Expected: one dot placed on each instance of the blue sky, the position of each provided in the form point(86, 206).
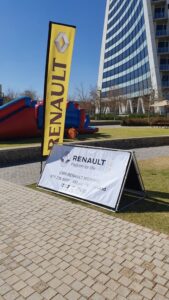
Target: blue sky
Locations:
point(23, 41)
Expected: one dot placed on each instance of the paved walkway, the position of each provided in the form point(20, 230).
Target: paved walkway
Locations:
point(54, 249)
point(26, 174)
point(151, 152)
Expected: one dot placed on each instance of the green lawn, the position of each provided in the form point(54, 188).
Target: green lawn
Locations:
point(104, 133)
point(125, 132)
point(152, 212)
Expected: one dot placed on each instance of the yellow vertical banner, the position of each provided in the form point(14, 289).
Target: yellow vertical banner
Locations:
point(58, 65)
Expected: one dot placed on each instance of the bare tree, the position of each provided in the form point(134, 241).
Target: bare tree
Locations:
point(93, 93)
point(82, 94)
point(89, 107)
point(94, 99)
point(115, 100)
point(11, 94)
point(30, 93)
point(111, 102)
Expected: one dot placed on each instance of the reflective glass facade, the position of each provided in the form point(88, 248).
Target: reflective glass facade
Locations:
point(126, 67)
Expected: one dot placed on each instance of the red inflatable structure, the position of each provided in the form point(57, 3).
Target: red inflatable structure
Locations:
point(18, 119)
point(23, 118)
point(77, 119)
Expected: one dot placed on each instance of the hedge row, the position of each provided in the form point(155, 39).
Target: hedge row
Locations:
point(146, 122)
point(135, 122)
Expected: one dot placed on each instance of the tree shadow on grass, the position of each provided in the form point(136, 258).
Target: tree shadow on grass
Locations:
point(151, 203)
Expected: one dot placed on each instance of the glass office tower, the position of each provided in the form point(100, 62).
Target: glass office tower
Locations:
point(134, 62)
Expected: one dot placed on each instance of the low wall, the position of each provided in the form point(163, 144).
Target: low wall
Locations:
point(130, 143)
point(33, 153)
point(20, 155)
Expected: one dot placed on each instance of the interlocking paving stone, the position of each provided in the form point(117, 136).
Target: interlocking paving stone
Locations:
point(54, 249)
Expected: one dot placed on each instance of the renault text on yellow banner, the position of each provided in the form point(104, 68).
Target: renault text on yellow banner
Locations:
point(59, 57)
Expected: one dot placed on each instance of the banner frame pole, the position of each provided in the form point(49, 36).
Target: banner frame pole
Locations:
point(138, 172)
point(141, 194)
point(123, 183)
point(45, 85)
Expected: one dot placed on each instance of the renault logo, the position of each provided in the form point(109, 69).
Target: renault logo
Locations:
point(66, 158)
point(62, 42)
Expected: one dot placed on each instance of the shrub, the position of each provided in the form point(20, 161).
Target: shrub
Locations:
point(151, 121)
point(135, 122)
point(136, 116)
point(162, 121)
point(109, 116)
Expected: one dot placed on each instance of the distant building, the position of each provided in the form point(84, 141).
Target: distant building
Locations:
point(134, 62)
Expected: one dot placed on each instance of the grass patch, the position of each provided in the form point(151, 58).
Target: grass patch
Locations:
point(152, 212)
point(104, 133)
point(125, 132)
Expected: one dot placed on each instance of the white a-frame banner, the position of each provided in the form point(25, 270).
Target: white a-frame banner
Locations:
point(97, 175)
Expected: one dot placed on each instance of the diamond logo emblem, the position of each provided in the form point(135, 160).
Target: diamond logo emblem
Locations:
point(62, 42)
